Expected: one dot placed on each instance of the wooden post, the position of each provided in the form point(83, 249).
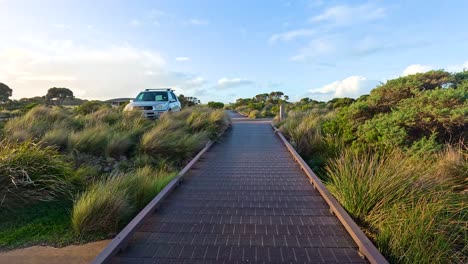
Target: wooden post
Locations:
point(281, 112)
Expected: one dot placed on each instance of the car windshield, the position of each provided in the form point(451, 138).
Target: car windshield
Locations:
point(151, 96)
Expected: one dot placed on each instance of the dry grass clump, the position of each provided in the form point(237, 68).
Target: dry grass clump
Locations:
point(92, 140)
point(412, 217)
point(101, 208)
point(451, 168)
point(37, 122)
point(178, 136)
point(107, 204)
point(176, 145)
point(57, 137)
point(426, 229)
point(255, 114)
point(363, 182)
point(29, 172)
point(120, 144)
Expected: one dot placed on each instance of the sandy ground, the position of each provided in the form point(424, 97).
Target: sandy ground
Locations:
point(48, 255)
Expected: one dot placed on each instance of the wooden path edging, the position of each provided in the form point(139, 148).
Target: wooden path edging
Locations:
point(121, 240)
point(365, 246)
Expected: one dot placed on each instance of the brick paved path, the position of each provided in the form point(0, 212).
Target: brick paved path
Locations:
point(246, 201)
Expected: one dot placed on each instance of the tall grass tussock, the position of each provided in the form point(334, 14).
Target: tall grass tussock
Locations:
point(109, 203)
point(100, 164)
point(406, 188)
point(30, 173)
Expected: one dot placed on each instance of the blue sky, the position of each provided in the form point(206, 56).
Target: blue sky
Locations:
point(223, 50)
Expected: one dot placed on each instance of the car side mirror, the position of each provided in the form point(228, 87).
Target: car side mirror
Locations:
point(172, 101)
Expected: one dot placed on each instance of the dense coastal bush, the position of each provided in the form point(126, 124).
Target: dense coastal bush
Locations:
point(397, 162)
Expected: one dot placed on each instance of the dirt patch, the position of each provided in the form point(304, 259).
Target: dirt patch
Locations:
point(80, 254)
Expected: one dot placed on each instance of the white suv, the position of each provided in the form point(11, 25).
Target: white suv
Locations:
point(154, 102)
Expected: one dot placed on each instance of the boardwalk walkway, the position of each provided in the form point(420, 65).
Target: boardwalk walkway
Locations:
point(246, 201)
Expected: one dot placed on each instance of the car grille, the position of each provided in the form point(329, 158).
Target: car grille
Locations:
point(145, 108)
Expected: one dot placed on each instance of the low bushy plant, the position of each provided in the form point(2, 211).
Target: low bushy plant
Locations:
point(176, 146)
point(109, 203)
point(91, 140)
point(146, 183)
point(89, 107)
point(451, 168)
point(29, 172)
point(57, 137)
point(255, 114)
point(120, 144)
point(366, 182)
point(428, 229)
point(101, 208)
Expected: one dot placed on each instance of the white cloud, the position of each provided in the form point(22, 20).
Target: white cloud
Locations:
point(195, 82)
point(416, 68)
point(62, 26)
point(458, 68)
point(291, 35)
point(342, 15)
point(352, 86)
point(315, 48)
point(135, 23)
point(182, 59)
point(94, 73)
point(197, 22)
point(232, 82)
point(315, 3)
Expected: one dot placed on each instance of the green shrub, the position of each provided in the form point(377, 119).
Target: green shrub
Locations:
point(198, 120)
point(176, 146)
point(89, 107)
point(146, 183)
point(120, 144)
point(403, 205)
point(215, 105)
point(425, 146)
point(57, 137)
point(266, 113)
point(37, 122)
point(103, 116)
point(219, 122)
point(366, 182)
point(29, 172)
point(108, 204)
point(101, 208)
point(429, 229)
point(451, 168)
point(91, 140)
point(304, 130)
point(254, 114)
point(85, 174)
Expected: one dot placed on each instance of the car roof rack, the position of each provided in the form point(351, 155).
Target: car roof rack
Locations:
point(159, 89)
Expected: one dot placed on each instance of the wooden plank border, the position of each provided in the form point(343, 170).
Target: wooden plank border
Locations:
point(121, 240)
point(366, 248)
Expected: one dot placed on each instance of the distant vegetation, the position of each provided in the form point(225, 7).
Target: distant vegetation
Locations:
point(396, 160)
point(261, 105)
point(58, 95)
point(188, 101)
point(71, 175)
point(5, 93)
point(216, 105)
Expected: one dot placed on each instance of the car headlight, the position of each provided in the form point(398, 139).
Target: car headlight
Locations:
point(160, 107)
